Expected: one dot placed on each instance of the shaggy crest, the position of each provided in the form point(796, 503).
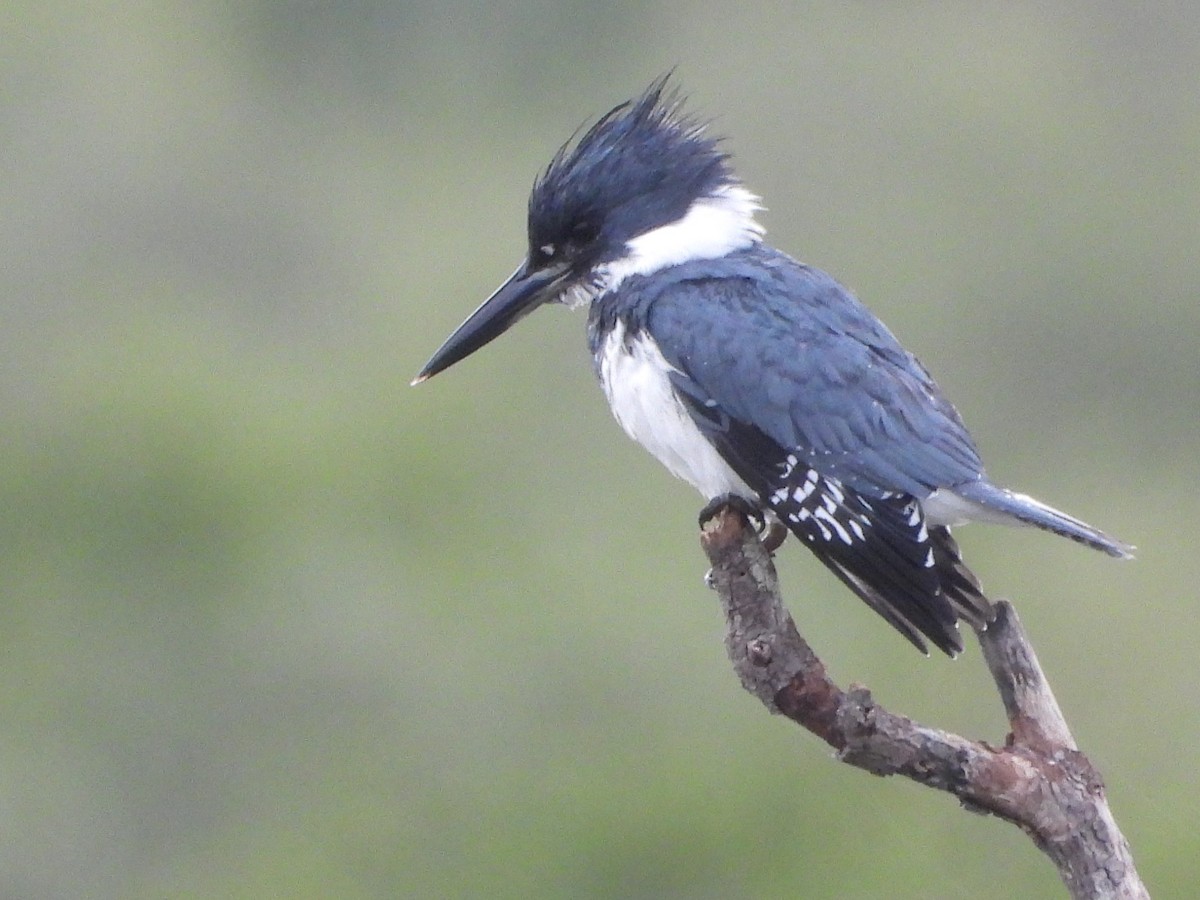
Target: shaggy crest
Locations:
point(640, 165)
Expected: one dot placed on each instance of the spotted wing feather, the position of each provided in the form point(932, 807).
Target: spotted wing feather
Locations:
point(878, 547)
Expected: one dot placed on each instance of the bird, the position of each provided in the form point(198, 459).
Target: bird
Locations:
point(759, 380)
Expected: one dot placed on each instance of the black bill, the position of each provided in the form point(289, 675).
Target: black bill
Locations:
point(524, 291)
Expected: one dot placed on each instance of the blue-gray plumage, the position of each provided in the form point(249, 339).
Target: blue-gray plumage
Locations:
point(750, 374)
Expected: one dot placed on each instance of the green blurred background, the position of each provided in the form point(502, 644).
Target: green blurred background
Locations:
point(275, 624)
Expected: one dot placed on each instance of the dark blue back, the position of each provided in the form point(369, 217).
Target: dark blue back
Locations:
point(776, 345)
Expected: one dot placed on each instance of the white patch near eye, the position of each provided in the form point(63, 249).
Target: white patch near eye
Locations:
point(546, 249)
point(712, 227)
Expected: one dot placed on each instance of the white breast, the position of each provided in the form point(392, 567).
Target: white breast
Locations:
point(643, 401)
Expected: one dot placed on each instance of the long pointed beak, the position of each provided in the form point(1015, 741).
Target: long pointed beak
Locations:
point(525, 290)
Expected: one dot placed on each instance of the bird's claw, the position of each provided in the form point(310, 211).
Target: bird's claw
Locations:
point(771, 532)
point(773, 536)
point(736, 502)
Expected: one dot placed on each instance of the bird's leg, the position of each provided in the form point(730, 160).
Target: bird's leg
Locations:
point(771, 532)
point(736, 502)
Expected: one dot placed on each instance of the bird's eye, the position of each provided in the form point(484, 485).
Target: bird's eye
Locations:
point(546, 251)
point(583, 232)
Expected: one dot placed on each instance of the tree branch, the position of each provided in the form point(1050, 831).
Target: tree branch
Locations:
point(1039, 780)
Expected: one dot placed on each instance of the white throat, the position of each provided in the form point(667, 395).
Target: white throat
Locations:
point(712, 227)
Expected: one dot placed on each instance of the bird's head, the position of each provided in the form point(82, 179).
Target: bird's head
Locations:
point(644, 189)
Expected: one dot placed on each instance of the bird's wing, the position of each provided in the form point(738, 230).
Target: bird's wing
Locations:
point(879, 547)
point(786, 349)
point(813, 402)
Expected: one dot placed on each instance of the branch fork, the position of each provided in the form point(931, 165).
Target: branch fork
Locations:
point(1038, 780)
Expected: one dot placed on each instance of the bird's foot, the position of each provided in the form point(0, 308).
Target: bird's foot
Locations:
point(735, 502)
point(771, 532)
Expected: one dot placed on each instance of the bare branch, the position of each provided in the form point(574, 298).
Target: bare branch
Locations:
point(1038, 780)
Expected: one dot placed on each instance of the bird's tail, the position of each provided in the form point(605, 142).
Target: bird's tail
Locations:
point(999, 505)
point(959, 584)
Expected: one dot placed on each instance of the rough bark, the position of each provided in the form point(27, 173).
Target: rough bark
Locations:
point(1038, 780)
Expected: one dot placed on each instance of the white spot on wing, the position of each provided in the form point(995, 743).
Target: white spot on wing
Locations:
point(823, 514)
point(789, 466)
point(834, 491)
point(805, 490)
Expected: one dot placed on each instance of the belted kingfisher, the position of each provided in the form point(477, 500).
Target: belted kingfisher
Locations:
point(753, 376)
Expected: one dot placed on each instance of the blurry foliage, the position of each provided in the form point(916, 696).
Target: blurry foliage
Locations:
point(276, 625)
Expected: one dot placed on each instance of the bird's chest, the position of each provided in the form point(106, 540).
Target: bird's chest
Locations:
point(636, 380)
